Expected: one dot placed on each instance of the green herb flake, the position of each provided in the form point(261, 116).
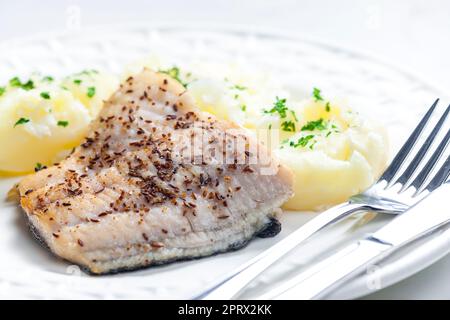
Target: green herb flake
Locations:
point(238, 87)
point(21, 121)
point(2, 91)
point(91, 92)
point(174, 73)
point(294, 115)
point(327, 107)
point(63, 123)
point(16, 83)
point(39, 167)
point(244, 107)
point(270, 126)
point(315, 125)
point(278, 107)
point(45, 95)
point(288, 126)
point(316, 94)
point(302, 141)
point(77, 81)
point(87, 72)
point(47, 79)
point(28, 85)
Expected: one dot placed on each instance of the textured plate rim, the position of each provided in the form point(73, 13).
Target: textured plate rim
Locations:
point(392, 273)
point(240, 29)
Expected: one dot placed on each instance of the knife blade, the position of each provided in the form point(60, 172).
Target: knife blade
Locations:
point(428, 215)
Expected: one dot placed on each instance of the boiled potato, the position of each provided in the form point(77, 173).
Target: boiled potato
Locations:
point(43, 119)
point(340, 160)
point(91, 88)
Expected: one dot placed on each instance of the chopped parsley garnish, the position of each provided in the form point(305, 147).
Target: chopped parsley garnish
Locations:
point(278, 107)
point(270, 126)
point(47, 79)
point(294, 115)
point(15, 82)
point(28, 85)
point(238, 87)
point(174, 72)
point(91, 92)
point(236, 96)
point(64, 88)
point(315, 125)
point(77, 81)
point(39, 167)
point(288, 126)
point(302, 142)
point(21, 121)
point(244, 107)
point(316, 94)
point(327, 107)
point(63, 123)
point(45, 95)
point(2, 91)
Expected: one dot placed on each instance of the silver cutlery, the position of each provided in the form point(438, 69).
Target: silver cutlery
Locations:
point(317, 281)
point(389, 195)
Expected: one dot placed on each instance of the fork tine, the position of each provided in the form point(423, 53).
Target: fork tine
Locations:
point(423, 175)
point(406, 148)
point(412, 167)
point(440, 177)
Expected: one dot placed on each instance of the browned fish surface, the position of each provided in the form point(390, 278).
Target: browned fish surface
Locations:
point(140, 191)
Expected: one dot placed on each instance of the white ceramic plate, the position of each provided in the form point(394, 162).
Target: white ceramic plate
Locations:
point(385, 92)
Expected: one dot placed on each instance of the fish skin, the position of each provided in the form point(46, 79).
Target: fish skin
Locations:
point(127, 199)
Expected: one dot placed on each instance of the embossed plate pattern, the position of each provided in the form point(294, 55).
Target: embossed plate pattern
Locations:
point(388, 93)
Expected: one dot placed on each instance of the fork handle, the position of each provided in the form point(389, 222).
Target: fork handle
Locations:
point(316, 282)
point(235, 281)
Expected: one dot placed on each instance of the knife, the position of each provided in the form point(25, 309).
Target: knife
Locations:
point(428, 215)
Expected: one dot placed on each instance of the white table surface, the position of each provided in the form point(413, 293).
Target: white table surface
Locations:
point(412, 33)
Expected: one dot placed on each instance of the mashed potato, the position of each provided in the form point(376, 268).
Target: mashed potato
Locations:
point(43, 119)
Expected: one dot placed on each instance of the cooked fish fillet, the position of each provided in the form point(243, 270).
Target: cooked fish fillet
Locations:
point(155, 181)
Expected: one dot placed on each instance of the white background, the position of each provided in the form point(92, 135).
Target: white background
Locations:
point(414, 34)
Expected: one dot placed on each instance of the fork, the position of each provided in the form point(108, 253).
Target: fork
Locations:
point(388, 195)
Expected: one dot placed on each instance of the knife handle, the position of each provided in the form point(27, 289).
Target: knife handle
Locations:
point(426, 216)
